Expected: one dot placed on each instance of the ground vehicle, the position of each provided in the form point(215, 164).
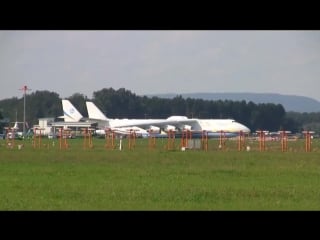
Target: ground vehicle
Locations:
point(52, 135)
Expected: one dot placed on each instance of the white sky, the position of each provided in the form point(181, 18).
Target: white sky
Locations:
point(150, 62)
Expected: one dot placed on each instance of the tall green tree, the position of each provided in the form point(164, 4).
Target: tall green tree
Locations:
point(40, 104)
point(1, 123)
point(123, 103)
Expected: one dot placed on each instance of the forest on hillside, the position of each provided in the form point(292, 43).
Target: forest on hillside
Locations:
point(123, 103)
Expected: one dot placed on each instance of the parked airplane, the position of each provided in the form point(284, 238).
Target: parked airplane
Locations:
point(116, 125)
point(70, 113)
point(174, 123)
point(72, 119)
point(13, 132)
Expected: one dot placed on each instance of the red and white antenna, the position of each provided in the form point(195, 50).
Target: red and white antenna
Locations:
point(24, 89)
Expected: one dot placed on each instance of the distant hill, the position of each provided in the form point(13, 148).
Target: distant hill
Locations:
point(289, 102)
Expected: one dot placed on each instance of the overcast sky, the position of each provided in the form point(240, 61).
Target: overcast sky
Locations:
point(149, 62)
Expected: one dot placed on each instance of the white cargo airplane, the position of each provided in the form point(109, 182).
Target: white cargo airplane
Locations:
point(14, 131)
point(174, 123)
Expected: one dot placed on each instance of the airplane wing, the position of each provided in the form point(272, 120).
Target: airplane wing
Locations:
point(123, 131)
point(129, 130)
point(166, 124)
point(173, 122)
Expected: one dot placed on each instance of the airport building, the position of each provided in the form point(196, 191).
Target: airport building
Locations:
point(50, 127)
point(45, 124)
point(74, 126)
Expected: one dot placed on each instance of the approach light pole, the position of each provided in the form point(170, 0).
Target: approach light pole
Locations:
point(24, 89)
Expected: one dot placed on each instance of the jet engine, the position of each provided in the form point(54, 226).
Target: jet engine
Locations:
point(177, 118)
point(186, 127)
point(154, 129)
point(169, 127)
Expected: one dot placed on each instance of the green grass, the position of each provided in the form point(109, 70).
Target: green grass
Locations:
point(144, 179)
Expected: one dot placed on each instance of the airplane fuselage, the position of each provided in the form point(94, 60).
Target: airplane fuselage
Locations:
point(217, 125)
point(173, 123)
point(209, 125)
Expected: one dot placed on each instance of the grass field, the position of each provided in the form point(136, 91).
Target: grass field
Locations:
point(143, 179)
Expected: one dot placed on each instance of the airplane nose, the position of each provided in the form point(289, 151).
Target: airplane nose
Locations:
point(246, 129)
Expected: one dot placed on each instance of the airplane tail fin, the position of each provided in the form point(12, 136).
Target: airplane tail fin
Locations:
point(15, 125)
point(94, 112)
point(70, 113)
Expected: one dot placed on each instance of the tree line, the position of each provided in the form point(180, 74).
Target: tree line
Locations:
point(123, 103)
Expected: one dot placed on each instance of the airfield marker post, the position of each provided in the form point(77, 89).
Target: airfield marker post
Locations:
point(37, 136)
point(307, 135)
point(186, 135)
point(182, 143)
point(64, 139)
point(241, 141)
point(204, 140)
point(308, 140)
point(284, 144)
point(222, 140)
point(90, 137)
point(109, 136)
point(262, 140)
point(84, 132)
point(151, 140)
point(120, 143)
point(63, 134)
point(87, 138)
point(284, 140)
point(171, 138)
point(132, 139)
point(134, 135)
point(129, 139)
point(259, 132)
point(66, 134)
point(9, 137)
point(60, 138)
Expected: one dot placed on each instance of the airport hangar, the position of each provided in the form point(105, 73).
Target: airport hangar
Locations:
point(50, 126)
point(76, 127)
